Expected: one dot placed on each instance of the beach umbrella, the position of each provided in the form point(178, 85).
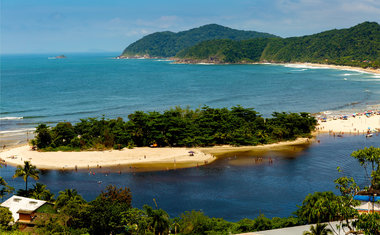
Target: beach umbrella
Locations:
point(191, 152)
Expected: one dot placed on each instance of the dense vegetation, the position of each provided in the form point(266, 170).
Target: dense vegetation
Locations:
point(226, 51)
point(355, 46)
point(176, 127)
point(167, 44)
point(112, 212)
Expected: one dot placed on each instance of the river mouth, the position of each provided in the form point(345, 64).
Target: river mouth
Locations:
point(242, 158)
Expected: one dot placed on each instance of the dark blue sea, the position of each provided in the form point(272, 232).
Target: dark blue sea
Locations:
point(36, 89)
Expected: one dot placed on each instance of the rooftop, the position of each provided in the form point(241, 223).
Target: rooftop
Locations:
point(18, 204)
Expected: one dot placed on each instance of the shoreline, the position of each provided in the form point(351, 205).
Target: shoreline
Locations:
point(163, 158)
point(306, 64)
point(349, 124)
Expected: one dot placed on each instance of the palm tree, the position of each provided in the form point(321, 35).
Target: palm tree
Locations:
point(27, 171)
point(40, 192)
point(159, 220)
point(69, 195)
point(319, 229)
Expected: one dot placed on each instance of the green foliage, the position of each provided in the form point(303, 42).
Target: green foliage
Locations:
point(40, 192)
point(370, 156)
point(356, 46)
point(68, 196)
point(159, 220)
point(369, 223)
point(135, 221)
point(43, 136)
point(26, 171)
point(318, 207)
point(167, 44)
point(183, 127)
point(318, 229)
point(117, 195)
point(226, 51)
point(5, 219)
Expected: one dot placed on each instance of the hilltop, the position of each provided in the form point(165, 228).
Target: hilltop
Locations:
point(356, 46)
point(168, 44)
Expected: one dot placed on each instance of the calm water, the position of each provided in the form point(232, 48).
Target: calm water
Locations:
point(35, 89)
point(229, 188)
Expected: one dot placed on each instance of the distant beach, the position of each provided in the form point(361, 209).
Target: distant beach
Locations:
point(349, 124)
point(331, 66)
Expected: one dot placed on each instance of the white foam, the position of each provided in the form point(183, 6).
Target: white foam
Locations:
point(205, 63)
point(21, 131)
point(304, 66)
point(10, 118)
point(164, 60)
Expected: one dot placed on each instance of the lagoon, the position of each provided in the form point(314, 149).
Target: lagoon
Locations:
point(232, 188)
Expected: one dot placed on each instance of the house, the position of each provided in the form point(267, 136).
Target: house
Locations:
point(23, 209)
point(369, 201)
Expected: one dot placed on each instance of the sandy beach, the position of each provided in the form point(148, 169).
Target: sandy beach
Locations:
point(353, 125)
point(340, 67)
point(174, 157)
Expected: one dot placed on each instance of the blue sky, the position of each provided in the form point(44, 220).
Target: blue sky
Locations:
point(59, 26)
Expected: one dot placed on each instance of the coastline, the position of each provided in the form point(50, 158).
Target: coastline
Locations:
point(358, 124)
point(306, 64)
point(166, 158)
point(331, 66)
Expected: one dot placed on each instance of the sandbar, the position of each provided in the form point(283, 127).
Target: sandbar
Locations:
point(175, 157)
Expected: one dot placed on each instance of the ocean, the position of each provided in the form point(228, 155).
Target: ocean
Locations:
point(35, 89)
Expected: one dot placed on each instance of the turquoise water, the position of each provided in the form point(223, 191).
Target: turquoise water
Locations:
point(36, 89)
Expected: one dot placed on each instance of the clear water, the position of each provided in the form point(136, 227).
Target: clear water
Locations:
point(36, 89)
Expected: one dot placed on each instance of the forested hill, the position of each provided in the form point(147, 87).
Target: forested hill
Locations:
point(355, 46)
point(168, 44)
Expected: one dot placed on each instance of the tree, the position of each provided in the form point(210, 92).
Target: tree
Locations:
point(28, 170)
point(43, 136)
point(318, 207)
point(369, 223)
point(135, 221)
point(319, 229)
point(67, 196)
point(159, 220)
point(40, 192)
point(105, 212)
point(5, 218)
point(370, 156)
point(118, 195)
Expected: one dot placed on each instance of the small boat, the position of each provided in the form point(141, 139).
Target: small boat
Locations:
point(369, 135)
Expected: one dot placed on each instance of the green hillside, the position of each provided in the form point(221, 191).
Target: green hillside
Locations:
point(168, 44)
point(355, 46)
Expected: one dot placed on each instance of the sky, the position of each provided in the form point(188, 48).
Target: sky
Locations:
point(60, 26)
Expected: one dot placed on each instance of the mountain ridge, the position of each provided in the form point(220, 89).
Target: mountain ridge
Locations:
point(357, 46)
point(168, 44)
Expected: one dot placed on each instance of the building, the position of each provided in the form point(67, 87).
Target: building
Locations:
point(23, 209)
point(369, 201)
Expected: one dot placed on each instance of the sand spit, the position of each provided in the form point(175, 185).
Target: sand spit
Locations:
point(175, 157)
